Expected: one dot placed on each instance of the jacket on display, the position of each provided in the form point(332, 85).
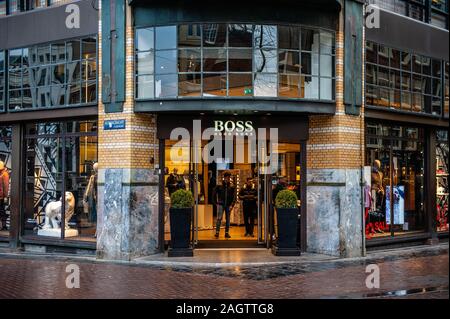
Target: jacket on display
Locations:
point(4, 184)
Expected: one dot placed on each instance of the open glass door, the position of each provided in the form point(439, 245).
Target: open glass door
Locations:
point(264, 203)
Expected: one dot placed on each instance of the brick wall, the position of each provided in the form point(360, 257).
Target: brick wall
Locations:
point(336, 141)
point(137, 144)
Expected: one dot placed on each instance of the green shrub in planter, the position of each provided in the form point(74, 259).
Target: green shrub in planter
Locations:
point(182, 199)
point(286, 199)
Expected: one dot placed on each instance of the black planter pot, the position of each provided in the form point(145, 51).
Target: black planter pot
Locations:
point(287, 220)
point(180, 232)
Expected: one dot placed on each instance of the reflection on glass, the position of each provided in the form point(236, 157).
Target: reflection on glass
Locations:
point(44, 172)
point(74, 94)
point(326, 65)
point(73, 50)
point(89, 70)
point(240, 35)
point(395, 59)
point(326, 89)
point(406, 61)
point(88, 92)
point(288, 86)
point(214, 35)
point(73, 72)
point(288, 62)
point(189, 35)
point(240, 60)
point(310, 40)
point(406, 101)
point(144, 62)
point(266, 60)
point(240, 85)
point(144, 87)
point(166, 37)
point(326, 42)
point(58, 52)
point(214, 85)
point(166, 62)
point(58, 73)
point(214, 60)
point(265, 36)
point(189, 84)
point(310, 88)
point(15, 58)
point(289, 37)
point(144, 39)
point(166, 86)
point(265, 85)
point(189, 60)
point(89, 48)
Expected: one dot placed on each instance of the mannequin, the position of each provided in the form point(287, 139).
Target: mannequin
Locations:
point(90, 196)
point(377, 181)
point(4, 189)
point(378, 192)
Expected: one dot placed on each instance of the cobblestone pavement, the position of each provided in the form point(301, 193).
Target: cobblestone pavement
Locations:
point(424, 276)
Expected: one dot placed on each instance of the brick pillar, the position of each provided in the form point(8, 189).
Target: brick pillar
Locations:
point(128, 183)
point(334, 160)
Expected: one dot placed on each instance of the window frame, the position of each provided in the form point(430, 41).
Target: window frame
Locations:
point(227, 73)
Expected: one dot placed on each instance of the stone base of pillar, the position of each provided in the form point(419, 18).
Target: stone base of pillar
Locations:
point(128, 215)
point(334, 212)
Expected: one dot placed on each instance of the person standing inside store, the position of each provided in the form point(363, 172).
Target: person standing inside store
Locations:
point(175, 182)
point(4, 188)
point(224, 197)
point(249, 195)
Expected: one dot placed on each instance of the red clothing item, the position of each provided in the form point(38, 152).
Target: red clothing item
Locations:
point(4, 183)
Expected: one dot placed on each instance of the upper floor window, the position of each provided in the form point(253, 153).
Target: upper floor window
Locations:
point(16, 6)
point(434, 12)
point(405, 81)
point(236, 61)
point(50, 75)
point(2, 81)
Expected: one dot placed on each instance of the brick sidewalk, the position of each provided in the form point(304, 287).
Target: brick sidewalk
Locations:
point(45, 278)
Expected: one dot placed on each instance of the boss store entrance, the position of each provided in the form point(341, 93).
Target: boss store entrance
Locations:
point(263, 154)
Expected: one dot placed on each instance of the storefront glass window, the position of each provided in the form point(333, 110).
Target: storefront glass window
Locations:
point(235, 60)
point(2, 81)
point(403, 81)
point(61, 156)
point(442, 180)
point(5, 171)
point(56, 75)
point(394, 190)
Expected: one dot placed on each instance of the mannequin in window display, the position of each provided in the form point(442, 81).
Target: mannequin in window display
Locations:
point(175, 182)
point(90, 196)
point(4, 187)
point(377, 193)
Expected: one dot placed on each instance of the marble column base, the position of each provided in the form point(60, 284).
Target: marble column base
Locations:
point(334, 212)
point(127, 225)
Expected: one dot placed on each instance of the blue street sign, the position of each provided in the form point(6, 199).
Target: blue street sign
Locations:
point(114, 125)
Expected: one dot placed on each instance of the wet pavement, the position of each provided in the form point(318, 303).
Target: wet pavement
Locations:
point(413, 273)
